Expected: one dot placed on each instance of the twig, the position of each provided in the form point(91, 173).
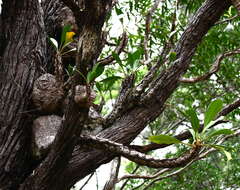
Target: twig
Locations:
point(125, 183)
point(147, 27)
point(215, 67)
point(134, 176)
point(169, 175)
point(86, 182)
point(226, 20)
point(148, 79)
point(118, 50)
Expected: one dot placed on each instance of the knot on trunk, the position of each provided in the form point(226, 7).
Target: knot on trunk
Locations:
point(47, 94)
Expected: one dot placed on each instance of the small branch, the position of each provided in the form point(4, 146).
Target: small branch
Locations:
point(125, 183)
point(235, 134)
point(201, 156)
point(147, 27)
point(229, 108)
point(149, 77)
point(215, 67)
point(134, 176)
point(169, 175)
point(118, 50)
point(110, 185)
point(137, 157)
point(226, 20)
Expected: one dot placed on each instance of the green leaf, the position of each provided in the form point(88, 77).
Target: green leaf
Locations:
point(222, 148)
point(213, 109)
point(97, 70)
point(212, 123)
point(133, 58)
point(164, 139)
point(65, 29)
point(99, 87)
point(172, 56)
point(118, 11)
point(54, 43)
point(192, 116)
point(216, 132)
point(117, 58)
point(193, 133)
point(109, 82)
point(228, 155)
point(70, 69)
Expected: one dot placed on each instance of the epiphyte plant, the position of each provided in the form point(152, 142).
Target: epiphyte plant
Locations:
point(66, 39)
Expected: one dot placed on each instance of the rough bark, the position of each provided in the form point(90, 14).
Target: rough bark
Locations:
point(23, 60)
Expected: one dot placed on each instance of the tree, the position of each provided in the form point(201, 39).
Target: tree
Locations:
point(26, 54)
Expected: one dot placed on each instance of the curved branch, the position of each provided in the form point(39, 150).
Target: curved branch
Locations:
point(137, 157)
point(215, 68)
